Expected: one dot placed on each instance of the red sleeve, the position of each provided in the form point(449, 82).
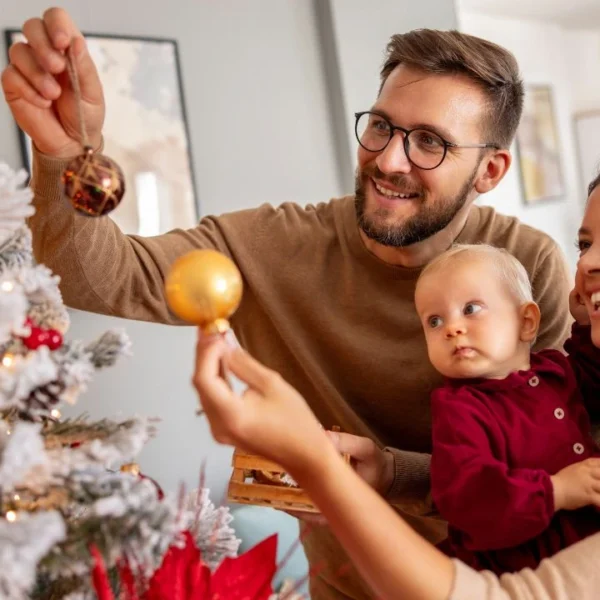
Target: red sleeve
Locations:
point(584, 358)
point(474, 490)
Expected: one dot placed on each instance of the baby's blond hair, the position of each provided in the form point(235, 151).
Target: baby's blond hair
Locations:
point(509, 269)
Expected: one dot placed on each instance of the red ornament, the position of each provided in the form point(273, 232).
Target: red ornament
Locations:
point(38, 337)
point(55, 339)
point(94, 183)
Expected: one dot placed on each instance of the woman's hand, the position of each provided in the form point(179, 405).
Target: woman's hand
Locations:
point(270, 418)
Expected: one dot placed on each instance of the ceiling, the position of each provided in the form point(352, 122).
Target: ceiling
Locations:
point(576, 14)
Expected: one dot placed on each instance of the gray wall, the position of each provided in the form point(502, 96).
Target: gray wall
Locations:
point(310, 65)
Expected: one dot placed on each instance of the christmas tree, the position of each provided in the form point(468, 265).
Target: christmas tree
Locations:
point(75, 511)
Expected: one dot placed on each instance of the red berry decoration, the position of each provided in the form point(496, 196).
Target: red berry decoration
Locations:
point(38, 337)
point(55, 339)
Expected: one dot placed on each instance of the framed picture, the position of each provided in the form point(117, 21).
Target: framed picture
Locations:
point(587, 130)
point(145, 131)
point(538, 147)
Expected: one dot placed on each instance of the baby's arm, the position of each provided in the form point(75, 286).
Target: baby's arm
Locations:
point(494, 506)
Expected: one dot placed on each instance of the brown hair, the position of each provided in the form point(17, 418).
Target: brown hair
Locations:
point(595, 183)
point(493, 68)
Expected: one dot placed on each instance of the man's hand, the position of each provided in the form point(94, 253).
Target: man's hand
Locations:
point(38, 89)
point(374, 465)
point(577, 485)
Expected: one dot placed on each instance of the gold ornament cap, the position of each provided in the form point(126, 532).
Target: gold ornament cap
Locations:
point(132, 468)
point(204, 287)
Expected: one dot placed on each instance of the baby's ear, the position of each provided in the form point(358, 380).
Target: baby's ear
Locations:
point(530, 321)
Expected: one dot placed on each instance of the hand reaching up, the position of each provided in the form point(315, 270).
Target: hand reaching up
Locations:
point(38, 89)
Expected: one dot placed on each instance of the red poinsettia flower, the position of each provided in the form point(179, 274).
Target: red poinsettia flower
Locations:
point(183, 576)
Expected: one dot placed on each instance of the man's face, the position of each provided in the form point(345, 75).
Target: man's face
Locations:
point(452, 107)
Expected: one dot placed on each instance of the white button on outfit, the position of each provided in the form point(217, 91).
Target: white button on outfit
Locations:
point(534, 381)
point(559, 413)
point(578, 448)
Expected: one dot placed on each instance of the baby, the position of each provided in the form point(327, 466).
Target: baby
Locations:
point(511, 433)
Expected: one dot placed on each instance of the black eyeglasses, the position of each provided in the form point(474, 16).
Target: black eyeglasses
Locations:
point(424, 149)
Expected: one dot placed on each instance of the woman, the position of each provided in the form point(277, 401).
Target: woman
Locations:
point(273, 420)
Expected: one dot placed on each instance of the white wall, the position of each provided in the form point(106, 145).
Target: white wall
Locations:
point(540, 50)
point(259, 130)
point(263, 107)
point(582, 53)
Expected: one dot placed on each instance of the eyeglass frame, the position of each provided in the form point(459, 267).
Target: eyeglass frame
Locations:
point(407, 132)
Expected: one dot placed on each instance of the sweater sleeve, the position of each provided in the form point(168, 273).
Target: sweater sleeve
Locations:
point(572, 573)
point(492, 505)
point(101, 269)
point(584, 358)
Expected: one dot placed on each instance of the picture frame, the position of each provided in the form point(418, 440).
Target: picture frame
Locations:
point(538, 147)
point(145, 131)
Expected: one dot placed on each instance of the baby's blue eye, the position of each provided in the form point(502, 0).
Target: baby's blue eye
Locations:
point(471, 308)
point(434, 322)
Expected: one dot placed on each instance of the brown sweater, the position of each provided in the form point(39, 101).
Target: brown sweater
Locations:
point(338, 323)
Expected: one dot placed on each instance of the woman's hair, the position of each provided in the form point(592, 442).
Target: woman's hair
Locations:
point(508, 268)
point(595, 183)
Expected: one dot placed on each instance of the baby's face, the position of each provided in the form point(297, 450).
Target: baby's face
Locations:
point(471, 321)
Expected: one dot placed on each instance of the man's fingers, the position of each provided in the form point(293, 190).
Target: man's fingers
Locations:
point(23, 60)
point(359, 448)
point(18, 90)
point(60, 27)
point(48, 57)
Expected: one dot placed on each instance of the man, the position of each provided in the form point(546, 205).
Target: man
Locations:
point(328, 298)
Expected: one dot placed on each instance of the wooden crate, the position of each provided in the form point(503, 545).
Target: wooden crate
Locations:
point(245, 489)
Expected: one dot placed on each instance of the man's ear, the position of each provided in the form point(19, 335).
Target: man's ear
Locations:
point(530, 321)
point(494, 168)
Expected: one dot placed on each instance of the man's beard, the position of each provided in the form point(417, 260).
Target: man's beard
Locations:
point(426, 223)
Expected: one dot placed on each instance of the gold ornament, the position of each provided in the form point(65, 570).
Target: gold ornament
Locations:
point(204, 287)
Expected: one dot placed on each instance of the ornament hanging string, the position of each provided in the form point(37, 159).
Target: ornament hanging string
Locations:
point(74, 77)
point(94, 183)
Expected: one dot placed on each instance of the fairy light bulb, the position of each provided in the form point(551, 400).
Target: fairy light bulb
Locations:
point(8, 360)
point(11, 516)
point(7, 286)
point(55, 413)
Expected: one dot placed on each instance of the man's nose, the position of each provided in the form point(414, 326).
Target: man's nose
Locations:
point(393, 158)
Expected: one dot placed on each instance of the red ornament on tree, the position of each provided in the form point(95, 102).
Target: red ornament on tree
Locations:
point(55, 339)
point(38, 337)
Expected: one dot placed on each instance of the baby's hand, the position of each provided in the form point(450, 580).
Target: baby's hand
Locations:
point(577, 307)
point(577, 485)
